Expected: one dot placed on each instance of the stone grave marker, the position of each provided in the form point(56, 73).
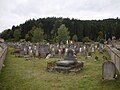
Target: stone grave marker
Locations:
point(100, 49)
point(108, 71)
point(69, 64)
point(70, 55)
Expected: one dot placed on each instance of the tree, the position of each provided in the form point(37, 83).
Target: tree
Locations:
point(100, 37)
point(63, 34)
point(75, 38)
point(81, 28)
point(56, 25)
point(17, 34)
point(29, 36)
point(37, 35)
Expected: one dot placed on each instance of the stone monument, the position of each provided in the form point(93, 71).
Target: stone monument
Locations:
point(108, 71)
point(68, 65)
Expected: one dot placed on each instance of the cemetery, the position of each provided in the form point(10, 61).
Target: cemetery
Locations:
point(59, 45)
point(59, 67)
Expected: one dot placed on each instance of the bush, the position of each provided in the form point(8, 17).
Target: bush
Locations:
point(86, 39)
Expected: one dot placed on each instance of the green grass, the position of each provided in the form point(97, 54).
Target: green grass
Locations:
point(19, 74)
point(118, 42)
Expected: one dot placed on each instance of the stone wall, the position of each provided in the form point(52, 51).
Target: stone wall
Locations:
point(115, 56)
point(2, 56)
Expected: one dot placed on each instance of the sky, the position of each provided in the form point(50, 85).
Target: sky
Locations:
point(15, 12)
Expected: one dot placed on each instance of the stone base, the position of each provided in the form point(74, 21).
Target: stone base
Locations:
point(68, 69)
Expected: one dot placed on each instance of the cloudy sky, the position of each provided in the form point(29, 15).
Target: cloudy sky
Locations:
point(15, 12)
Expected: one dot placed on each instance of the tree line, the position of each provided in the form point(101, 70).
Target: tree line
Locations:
point(60, 29)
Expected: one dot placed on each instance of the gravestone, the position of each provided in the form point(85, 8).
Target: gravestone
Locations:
point(92, 48)
point(69, 64)
point(108, 70)
point(69, 59)
point(100, 49)
point(44, 50)
point(70, 56)
point(48, 56)
point(113, 41)
point(109, 41)
point(36, 50)
point(82, 51)
point(25, 50)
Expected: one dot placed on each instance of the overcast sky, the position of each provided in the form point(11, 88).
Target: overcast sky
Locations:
point(15, 12)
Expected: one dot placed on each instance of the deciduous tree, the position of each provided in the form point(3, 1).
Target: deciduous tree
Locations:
point(63, 34)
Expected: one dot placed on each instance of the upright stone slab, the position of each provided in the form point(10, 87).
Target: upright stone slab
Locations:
point(69, 59)
point(70, 56)
point(108, 70)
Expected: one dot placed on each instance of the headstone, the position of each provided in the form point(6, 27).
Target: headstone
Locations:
point(93, 48)
point(113, 41)
point(82, 51)
point(44, 50)
point(100, 48)
point(70, 56)
point(108, 70)
point(48, 56)
point(109, 41)
point(25, 50)
point(69, 59)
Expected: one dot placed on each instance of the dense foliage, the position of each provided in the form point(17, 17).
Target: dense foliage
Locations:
point(63, 34)
point(93, 29)
point(37, 35)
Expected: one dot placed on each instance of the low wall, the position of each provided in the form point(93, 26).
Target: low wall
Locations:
point(2, 56)
point(115, 56)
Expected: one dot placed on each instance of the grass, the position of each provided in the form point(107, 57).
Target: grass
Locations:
point(19, 74)
point(118, 42)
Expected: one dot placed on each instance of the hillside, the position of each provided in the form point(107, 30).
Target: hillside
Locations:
point(81, 28)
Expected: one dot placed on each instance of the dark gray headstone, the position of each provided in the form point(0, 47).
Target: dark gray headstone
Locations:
point(70, 56)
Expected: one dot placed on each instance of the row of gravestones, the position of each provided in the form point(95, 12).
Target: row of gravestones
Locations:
point(108, 67)
point(54, 50)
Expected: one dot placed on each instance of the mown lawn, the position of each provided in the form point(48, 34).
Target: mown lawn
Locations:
point(19, 74)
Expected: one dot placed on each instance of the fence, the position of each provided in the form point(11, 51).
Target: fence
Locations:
point(2, 56)
point(115, 56)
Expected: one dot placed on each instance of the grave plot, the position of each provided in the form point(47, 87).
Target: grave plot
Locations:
point(68, 65)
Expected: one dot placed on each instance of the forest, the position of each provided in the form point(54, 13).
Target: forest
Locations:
point(77, 29)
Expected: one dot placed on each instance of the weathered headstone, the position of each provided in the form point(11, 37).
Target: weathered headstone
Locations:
point(109, 41)
point(70, 56)
point(100, 49)
point(108, 70)
point(69, 59)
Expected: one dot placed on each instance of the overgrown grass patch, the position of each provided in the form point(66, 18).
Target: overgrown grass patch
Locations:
point(19, 74)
